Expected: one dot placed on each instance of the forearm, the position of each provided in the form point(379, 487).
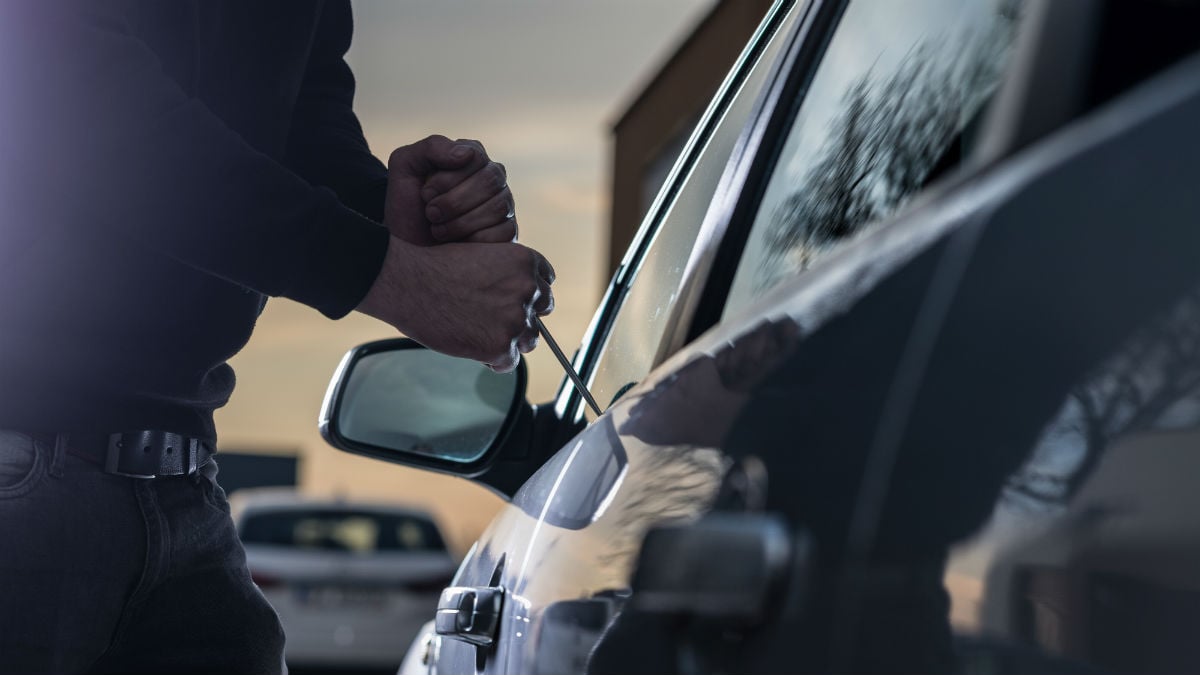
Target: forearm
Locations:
point(326, 145)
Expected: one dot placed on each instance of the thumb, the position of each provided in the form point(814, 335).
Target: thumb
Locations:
point(434, 153)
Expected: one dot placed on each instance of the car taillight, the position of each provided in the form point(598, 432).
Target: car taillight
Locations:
point(264, 581)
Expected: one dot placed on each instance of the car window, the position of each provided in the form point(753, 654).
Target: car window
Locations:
point(894, 102)
point(629, 348)
point(341, 530)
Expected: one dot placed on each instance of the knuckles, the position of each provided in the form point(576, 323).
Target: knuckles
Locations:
point(396, 159)
point(497, 181)
point(400, 154)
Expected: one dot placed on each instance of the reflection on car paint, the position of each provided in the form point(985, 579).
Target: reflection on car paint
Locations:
point(580, 519)
point(576, 508)
point(1091, 539)
point(581, 545)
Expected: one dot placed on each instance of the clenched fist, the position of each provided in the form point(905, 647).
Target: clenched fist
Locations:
point(471, 300)
point(442, 191)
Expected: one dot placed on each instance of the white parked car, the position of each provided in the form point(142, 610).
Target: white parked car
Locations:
point(352, 581)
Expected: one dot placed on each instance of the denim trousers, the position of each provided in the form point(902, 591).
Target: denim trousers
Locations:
point(109, 574)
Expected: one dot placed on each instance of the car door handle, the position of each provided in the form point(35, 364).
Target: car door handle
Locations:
point(469, 613)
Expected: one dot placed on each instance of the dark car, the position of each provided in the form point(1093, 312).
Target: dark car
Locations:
point(901, 374)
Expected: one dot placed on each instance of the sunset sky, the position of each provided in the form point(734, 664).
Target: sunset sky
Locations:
point(539, 82)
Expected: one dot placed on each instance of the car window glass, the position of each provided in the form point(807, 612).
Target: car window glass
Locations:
point(1094, 537)
point(894, 101)
point(630, 346)
point(338, 530)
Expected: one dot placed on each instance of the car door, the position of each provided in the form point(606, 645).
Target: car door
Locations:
point(638, 303)
point(986, 423)
point(1026, 503)
point(563, 551)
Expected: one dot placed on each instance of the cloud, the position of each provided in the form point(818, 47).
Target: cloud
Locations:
point(446, 54)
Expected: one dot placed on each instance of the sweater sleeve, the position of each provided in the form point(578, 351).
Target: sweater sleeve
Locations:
point(89, 107)
point(326, 144)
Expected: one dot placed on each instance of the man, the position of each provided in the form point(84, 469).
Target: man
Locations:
point(165, 166)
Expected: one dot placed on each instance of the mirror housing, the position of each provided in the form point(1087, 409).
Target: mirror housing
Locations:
point(397, 401)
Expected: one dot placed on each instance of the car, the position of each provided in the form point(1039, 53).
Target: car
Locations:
point(352, 581)
point(900, 374)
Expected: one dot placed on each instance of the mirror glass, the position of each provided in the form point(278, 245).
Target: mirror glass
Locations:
point(421, 402)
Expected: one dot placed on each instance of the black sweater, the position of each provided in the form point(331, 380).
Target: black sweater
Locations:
point(165, 166)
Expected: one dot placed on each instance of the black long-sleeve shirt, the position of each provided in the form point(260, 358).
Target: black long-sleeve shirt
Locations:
point(165, 166)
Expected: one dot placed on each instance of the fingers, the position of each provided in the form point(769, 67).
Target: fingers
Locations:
point(470, 300)
point(490, 222)
point(442, 179)
point(461, 203)
point(541, 304)
point(506, 363)
point(408, 169)
point(543, 300)
point(465, 194)
point(544, 269)
point(527, 341)
point(497, 234)
point(437, 153)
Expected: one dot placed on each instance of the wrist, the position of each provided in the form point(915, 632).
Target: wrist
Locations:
point(389, 297)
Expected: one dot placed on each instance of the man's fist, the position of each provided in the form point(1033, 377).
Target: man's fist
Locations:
point(470, 300)
point(441, 191)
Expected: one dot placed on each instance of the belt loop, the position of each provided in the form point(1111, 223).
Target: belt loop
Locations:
point(192, 460)
point(58, 458)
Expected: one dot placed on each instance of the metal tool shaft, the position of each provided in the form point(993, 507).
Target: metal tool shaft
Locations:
point(566, 364)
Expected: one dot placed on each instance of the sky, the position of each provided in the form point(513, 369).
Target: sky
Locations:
point(539, 83)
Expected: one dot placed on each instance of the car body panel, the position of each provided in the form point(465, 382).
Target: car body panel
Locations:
point(556, 553)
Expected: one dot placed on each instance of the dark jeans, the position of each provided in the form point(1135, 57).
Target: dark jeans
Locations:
point(102, 573)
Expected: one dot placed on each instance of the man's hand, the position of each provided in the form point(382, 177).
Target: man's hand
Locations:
point(471, 300)
point(441, 191)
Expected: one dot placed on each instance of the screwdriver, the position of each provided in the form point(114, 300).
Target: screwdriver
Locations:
point(562, 359)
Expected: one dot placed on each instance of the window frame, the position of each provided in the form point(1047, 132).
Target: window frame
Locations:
point(569, 404)
point(732, 215)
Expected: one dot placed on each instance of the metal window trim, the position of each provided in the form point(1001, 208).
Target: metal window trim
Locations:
point(568, 404)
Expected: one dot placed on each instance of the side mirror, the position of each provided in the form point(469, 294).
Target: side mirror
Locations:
point(397, 401)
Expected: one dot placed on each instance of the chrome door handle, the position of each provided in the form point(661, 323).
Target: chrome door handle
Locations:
point(469, 613)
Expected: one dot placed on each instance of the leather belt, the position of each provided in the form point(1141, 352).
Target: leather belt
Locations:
point(140, 454)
